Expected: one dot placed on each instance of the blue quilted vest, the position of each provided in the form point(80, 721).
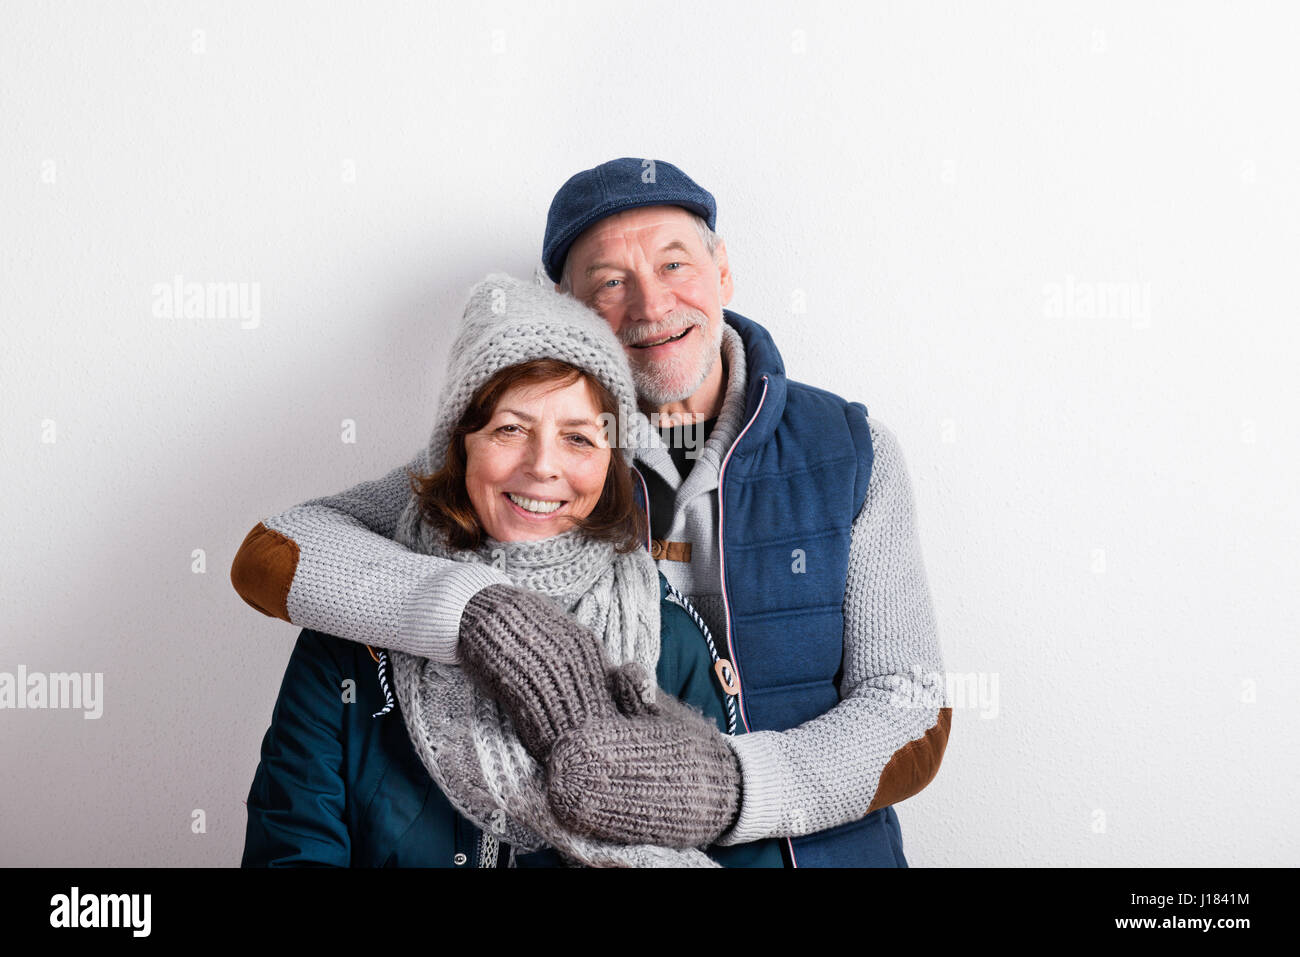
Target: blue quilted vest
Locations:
point(791, 485)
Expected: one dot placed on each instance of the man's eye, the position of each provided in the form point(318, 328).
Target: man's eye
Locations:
point(671, 265)
point(609, 283)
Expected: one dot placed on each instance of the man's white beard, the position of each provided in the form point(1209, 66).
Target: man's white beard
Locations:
point(670, 380)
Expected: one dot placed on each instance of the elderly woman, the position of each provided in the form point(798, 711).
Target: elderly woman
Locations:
point(522, 476)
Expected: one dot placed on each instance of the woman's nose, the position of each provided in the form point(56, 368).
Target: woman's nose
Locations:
point(542, 461)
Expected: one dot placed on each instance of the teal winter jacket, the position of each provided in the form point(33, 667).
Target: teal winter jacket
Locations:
point(338, 786)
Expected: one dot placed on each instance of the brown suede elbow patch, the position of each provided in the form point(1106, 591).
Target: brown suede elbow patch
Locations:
point(263, 571)
point(914, 765)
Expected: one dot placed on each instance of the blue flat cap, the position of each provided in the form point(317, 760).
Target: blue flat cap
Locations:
point(609, 188)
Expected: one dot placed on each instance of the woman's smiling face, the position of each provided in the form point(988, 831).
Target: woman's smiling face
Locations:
point(539, 463)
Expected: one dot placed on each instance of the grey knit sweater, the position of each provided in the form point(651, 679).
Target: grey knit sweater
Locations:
point(348, 578)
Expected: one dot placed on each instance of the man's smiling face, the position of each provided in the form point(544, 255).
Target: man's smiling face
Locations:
point(648, 273)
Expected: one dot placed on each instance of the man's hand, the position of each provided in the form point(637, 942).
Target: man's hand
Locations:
point(546, 670)
point(666, 778)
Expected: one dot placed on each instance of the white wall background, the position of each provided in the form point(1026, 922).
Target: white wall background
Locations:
point(1106, 496)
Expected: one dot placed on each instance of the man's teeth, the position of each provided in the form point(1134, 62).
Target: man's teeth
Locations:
point(532, 504)
point(660, 342)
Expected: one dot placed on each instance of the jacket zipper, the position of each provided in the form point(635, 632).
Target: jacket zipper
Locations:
point(722, 558)
point(722, 567)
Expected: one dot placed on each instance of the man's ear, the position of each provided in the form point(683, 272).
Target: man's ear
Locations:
point(724, 272)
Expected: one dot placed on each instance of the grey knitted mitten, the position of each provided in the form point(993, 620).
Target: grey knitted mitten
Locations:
point(546, 670)
point(633, 689)
point(663, 778)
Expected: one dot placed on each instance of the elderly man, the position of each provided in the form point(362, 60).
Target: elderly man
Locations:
point(790, 528)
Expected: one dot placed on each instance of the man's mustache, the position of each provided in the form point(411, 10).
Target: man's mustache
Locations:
point(670, 325)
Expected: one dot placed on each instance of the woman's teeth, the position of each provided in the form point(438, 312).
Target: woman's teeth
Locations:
point(532, 504)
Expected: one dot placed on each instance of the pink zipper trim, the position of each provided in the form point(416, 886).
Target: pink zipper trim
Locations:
point(722, 566)
point(722, 558)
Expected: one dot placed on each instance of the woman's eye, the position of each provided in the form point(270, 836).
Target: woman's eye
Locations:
point(581, 440)
point(509, 429)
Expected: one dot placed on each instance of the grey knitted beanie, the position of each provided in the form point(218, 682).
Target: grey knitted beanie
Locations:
point(508, 321)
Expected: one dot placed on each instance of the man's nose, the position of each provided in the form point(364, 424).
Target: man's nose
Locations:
point(653, 300)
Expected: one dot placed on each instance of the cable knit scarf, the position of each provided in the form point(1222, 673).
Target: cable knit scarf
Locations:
point(464, 738)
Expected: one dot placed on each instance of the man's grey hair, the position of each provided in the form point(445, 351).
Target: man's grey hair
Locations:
point(707, 236)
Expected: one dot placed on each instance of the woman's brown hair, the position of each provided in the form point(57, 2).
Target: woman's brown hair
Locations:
point(444, 499)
